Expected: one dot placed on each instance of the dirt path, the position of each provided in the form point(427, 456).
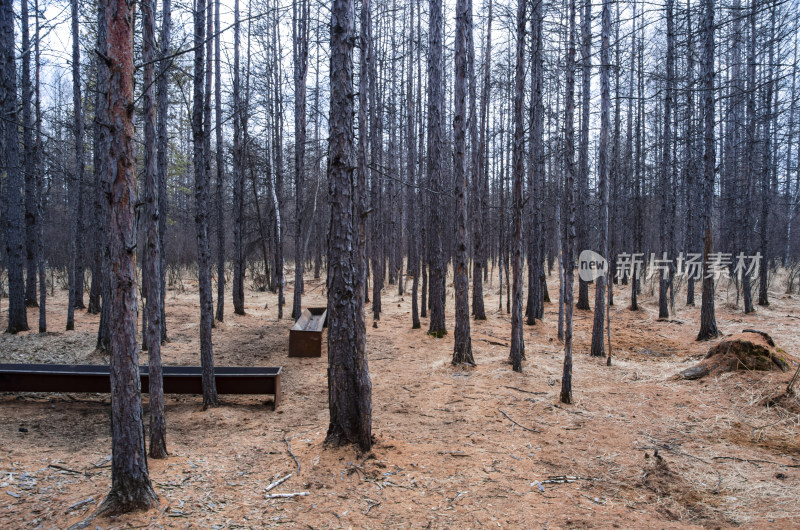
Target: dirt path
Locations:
point(455, 447)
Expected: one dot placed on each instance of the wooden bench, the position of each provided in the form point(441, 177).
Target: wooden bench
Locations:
point(177, 379)
point(305, 337)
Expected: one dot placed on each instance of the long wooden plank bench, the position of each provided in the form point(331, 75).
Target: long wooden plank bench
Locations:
point(305, 337)
point(177, 379)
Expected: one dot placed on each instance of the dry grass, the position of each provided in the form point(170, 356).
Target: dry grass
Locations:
point(445, 456)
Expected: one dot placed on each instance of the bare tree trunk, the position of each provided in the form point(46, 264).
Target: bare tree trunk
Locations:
point(435, 145)
point(517, 344)
point(238, 173)
point(39, 185)
point(365, 49)
point(767, 169)
point(15, 229)
point(478, 170)
point(278, 169)
point(300, 16)
point(29, 163)
point(102, 182)
point(666, 164)
point(462, 348)
point(130, 483)
point(199, 132)
point(708, 321)
point(583, 155)
point(151, 261)
point(162, 115)
point(691, 195)
point(597, 348)
point(536, 170)
point(220, 314)
point(569, 194)
point(412, 197)
point(349, 386)
point(76, 283)
point(750, 121)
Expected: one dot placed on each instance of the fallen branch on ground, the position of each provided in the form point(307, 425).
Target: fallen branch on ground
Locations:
point(289, 448)
point(754, 461)
point(287, 495)
point(278, 482)
point(512, 420)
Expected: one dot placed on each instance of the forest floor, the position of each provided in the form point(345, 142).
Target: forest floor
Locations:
point(455, 447)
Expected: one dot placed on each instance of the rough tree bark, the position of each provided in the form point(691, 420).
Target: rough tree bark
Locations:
point(478, 170)
point(536, 160)
point(238, 173)
point(436, 108)
point(300, 19)
point(569, 203)
point(15, 228)
point(708, 321)
point(462, 347)
point(130, 483)
point(365, 39)
point(31, 216)
point(220, 313)
point(199, 132)
point(767, 167)
point(666, 162)
point(102, 182)
point(151, 261)
point(517, 345)
point(162, 115)
point(597, 348)
point(39, 185)
point(349, 386)
point(583, 155)
point(411, 230)
point(75, 269)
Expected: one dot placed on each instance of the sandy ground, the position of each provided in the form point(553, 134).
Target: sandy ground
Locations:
point(455, 447)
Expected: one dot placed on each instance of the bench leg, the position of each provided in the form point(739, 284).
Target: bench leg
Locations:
point(277, 400)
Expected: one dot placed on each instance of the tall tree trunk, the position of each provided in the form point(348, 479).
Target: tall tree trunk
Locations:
point(76, 270)
point(412, 197)
point(130, 483)
point(597, 348)
point(376, 184)
point(517, 344)
point(277, 139)
point(39, 185)
point(767, 168)
point(569, 195)
point(29, 163)
point(300, 16)
point(102, 179)
point(238, 173)
point(220, 162)
point(199, 132)
point(666, 164)
point(349, 386)
point(691, 195)
point(478, 170)
point(462, 347)
point(708, 321)
point(435, 146)
point(365, 51)
point(152, 252)
point(162, 115)
point(583, 155)
point(15, 227)
point(536, 170)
